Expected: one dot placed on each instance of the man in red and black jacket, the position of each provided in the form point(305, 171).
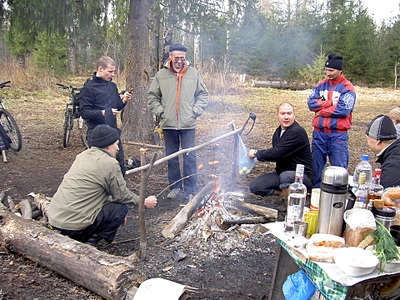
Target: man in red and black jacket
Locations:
point(333, 101)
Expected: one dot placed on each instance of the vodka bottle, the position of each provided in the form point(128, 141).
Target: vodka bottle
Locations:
point(362, 167)
point(296, 200)
point(362, 192)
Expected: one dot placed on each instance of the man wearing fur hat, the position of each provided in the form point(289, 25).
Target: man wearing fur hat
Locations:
point(91, 202)
point(382, 139)
point(332, 102)
point(178, 96)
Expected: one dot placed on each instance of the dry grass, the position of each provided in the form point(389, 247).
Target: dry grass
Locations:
point(36, 99)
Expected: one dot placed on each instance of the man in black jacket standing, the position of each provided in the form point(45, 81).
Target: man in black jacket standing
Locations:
point(290, 146)
point(100, 102)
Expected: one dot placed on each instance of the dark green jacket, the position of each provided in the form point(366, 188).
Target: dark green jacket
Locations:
point(94, 179)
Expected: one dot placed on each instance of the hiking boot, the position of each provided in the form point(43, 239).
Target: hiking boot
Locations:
point(93, 240)
point(174, 193)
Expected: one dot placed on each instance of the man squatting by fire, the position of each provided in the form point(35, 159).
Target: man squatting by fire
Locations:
point(91, 202)
point(178, 96)
point(290, 146)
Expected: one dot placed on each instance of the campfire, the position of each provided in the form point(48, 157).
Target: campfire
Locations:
point(213, 210)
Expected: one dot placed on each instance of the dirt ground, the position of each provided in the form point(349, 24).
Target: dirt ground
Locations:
point(221, 265)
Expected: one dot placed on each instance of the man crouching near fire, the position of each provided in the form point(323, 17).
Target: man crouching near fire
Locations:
point(91, 202)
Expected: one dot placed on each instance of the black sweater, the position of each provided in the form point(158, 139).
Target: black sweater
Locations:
point(97, 95)
point(390, 165)
point(288, 150)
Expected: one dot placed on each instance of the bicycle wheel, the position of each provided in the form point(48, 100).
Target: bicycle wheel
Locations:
point(12, 130)
point(83, 131)
point(68, 125)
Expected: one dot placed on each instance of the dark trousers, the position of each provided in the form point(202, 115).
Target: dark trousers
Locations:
point(120, 155)
point(105, 226)
point(267, 184)
point(175, 139)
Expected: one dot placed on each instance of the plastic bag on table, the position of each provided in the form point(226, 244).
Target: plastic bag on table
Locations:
point(245, 163)
point(359, 223)
point(298, 287)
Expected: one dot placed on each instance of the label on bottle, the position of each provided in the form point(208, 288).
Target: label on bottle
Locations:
point(295, 210)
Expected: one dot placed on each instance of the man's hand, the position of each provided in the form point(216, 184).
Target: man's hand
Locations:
point(127, 96)
point(150, 202)
point(252, 153)
point(114, 111)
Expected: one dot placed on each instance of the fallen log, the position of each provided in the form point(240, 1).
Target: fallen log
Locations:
point(184, 215)
point(109, 276)
point(267, 212)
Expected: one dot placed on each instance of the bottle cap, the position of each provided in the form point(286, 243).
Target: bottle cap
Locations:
point(377, 172)
point(384, 212)
point(365, 157)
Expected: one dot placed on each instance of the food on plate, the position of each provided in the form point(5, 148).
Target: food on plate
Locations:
point(321, 246)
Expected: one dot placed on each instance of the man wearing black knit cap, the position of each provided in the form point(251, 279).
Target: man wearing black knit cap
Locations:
point(91, 202)
point(178, 96)
point(332, 102)
point(382, 139)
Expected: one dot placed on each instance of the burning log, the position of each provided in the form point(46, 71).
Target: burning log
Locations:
point(225, 223)
point(109, 276)
point(181, 219)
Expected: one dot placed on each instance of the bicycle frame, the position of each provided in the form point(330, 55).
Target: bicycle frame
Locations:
point(70, 114)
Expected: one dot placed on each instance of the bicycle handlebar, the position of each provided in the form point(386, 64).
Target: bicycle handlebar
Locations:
point(65, 87)
point(4, 84)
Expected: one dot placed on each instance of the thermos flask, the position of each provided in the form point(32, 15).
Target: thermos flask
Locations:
point(332, 200)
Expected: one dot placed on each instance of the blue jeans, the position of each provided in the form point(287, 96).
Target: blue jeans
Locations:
point(175, 139)
point(329, 145)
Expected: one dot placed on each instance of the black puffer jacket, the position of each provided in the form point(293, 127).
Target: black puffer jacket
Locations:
point(390, 165)
point(97, 95)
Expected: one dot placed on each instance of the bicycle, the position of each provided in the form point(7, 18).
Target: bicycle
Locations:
point(70, 114)
point(9, 124)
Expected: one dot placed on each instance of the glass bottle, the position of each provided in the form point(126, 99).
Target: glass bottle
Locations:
point(296, 199)
point(376, 189)
point(362, 192)
point(362, 167)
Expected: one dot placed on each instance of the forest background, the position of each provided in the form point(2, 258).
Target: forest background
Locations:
point(45, 40)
